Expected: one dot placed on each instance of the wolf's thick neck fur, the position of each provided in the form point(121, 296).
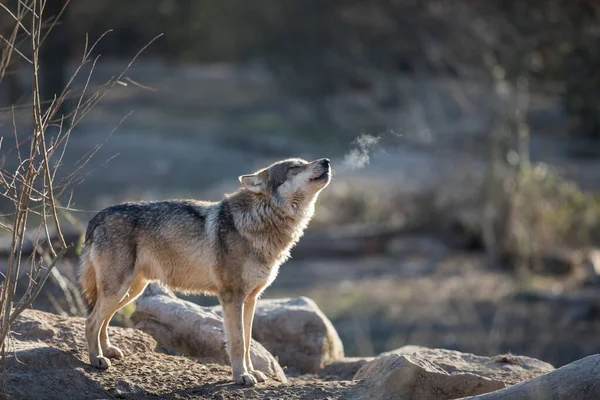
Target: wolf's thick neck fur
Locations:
point(272, 228)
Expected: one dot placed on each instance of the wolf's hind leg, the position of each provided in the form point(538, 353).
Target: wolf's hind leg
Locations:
point(96, 334)
point(135, 290)
point(115, 275)
point(92, 330)
point(104, 310)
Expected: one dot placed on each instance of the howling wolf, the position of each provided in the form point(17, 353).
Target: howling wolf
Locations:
point(232, 249)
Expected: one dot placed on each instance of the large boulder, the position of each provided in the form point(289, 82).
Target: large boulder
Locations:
point(298, 333)
point(410, 377)
point(435, 374)
point(505, 368)
point(192, 330)
point(578, 380)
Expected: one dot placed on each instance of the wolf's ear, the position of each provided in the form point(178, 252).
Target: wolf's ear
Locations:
point(255, 183)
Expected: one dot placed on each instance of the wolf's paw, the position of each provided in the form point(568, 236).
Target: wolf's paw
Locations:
point(245, 380)
point(113, 352)
point(260, 377)
point(100, 362)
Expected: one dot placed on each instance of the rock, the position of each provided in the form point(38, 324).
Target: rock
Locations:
point(344, 369)
point(506, 368)
point(125, 389)
point(192, 330)
point(579, 380)
point(421, 373)
point(298, 333)
point(410, 377)
point(294, 330)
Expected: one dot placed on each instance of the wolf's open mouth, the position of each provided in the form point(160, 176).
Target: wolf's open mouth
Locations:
point(323, 175)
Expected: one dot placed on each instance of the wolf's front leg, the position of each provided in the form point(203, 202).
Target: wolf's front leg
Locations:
point(249, 307)
point(233, 311)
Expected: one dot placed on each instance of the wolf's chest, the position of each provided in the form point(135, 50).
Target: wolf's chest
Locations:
point(272, 275)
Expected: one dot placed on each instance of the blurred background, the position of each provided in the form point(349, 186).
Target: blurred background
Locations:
point(464, 136)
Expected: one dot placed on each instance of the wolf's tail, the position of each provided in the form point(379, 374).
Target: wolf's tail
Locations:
point(87, 280)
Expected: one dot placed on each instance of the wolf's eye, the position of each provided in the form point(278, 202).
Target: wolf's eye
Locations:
point(295, 168)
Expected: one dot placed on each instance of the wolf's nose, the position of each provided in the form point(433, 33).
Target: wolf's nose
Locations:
point(325, 162)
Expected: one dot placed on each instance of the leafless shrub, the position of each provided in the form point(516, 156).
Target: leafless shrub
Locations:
point(33, 187)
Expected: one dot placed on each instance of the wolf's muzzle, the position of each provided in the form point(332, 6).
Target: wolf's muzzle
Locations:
point(324, 163)
point(322, 169)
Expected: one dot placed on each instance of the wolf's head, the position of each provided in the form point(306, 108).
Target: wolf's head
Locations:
point(292, 183)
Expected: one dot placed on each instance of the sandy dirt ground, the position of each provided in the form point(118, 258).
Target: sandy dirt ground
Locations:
point(48, 360)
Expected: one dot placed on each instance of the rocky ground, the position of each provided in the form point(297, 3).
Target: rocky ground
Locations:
point(47, 359)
